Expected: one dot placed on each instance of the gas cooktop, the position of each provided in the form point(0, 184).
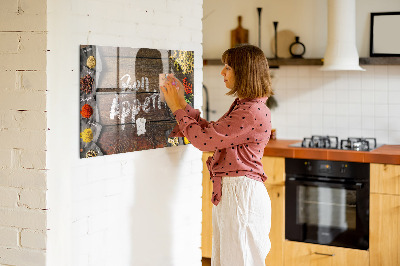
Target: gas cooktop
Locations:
point(332, 142)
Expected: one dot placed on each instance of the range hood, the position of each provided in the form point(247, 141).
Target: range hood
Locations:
point(341, 51)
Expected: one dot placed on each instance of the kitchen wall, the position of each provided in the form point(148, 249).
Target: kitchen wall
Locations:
point(139, 208)
point(23, 133)
point(343, 103)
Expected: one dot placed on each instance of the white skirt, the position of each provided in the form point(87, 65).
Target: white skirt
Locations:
point(241, 223)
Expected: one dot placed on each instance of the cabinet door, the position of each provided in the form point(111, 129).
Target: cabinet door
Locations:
point(206, 226)
point(304, 254)
point(277, 233)
point(384, 230)
point(274, 168)
point(385, 178)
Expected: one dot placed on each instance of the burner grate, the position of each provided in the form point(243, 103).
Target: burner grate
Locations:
point(332, 142)
point(358, 144)
point(327, 142)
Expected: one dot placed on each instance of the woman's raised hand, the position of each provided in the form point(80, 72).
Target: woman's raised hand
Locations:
point(174, 93)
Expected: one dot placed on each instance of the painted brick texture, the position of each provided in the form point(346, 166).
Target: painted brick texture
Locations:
point(138, 208)
point(23, 125)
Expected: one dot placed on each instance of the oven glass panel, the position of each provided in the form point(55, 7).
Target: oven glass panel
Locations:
point(326, 207)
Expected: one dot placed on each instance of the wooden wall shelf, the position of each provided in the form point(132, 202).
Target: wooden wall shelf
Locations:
point(274, 63)
point(380, 61)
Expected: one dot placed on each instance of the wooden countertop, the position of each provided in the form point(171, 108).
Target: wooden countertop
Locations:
point(389, 154)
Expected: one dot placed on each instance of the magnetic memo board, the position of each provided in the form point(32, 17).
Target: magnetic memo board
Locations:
point(120, 106)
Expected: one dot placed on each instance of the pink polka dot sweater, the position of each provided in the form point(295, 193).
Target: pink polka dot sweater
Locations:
point(238, 139)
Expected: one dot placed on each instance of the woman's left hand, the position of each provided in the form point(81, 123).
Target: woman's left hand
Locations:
point(170, 91)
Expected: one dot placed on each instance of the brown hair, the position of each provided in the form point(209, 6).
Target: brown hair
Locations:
point(250, 66)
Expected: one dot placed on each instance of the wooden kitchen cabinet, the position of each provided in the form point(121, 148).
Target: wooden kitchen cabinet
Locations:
point(385, 178)
point(385, 215)
point(277, 233)
point(274, 168)
point(206, 225)
point(305, 254)
point(384, 236)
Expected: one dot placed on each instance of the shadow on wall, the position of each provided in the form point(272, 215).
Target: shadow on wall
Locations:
point(152, 213)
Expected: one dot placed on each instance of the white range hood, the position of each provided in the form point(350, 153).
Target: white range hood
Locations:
point(341, 51)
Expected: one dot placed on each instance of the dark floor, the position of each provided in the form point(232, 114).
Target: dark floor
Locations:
point(206, 261)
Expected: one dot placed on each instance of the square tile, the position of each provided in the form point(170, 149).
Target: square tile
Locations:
point(342, 109)
point(394, 123)
point(394, 137)
point(368, 123)
point(292, 83)
point(329, 109)
point(355, 122)
point(342, 122)
point(381, 110)
point(381, 84)
point(381, 97)
point(355, 109)
point(380, 71)
point(291, 71)
point(367, 96)
point(381, 123)
point(394, 110)
point(382, 136)
point(394, 97)
point(367, 110)
point(355, 96)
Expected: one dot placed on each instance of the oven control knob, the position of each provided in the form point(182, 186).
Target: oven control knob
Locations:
point(343, 168)
point(308, 166)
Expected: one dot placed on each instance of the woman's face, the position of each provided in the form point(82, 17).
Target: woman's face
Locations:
point(229, 76)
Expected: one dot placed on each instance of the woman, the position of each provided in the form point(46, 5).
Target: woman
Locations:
point(242, 208)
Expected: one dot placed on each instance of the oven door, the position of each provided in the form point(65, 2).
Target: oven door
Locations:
point(327, 213)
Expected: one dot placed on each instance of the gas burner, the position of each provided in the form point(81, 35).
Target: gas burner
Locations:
point(327, 142)
point(358, 144)
point(332, 142)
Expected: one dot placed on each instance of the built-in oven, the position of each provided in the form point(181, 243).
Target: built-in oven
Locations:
point(327, 202)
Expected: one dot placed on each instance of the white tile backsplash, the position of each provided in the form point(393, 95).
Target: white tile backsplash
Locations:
point(381, 110)
point(394, 110)
point(380, 71)
point(342, 103)
point(367, 96)
point(394, 82)
point(394, 123)
point(381, 84)
point(394, 97)
point(381, 97)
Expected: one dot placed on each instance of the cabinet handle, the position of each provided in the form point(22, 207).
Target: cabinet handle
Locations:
point(324, 254)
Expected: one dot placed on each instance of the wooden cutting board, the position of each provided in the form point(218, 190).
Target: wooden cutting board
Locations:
point(239, 35)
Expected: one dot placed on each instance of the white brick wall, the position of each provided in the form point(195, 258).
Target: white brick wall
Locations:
point(34, 239)
point(22, 132)
point(9, 237)
point(140, 208)
point(99, 209)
